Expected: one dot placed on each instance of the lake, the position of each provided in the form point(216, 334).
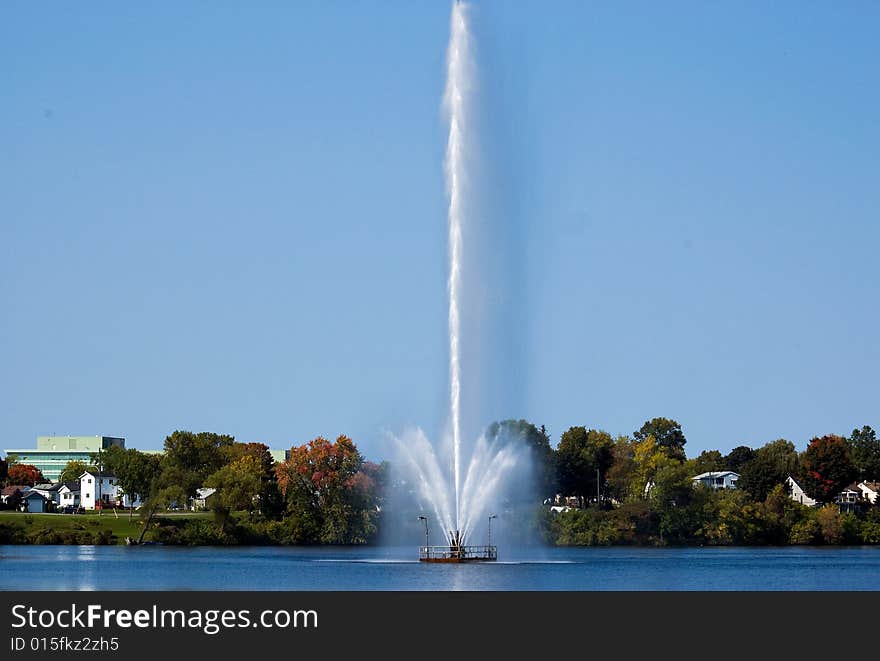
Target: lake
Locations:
point(394, 568)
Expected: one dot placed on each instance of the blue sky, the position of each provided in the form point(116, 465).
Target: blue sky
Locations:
point(232, 218)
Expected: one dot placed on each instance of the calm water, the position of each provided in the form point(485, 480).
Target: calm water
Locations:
point(273, 568)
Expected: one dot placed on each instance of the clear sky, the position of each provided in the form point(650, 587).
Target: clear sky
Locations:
point(231, 217)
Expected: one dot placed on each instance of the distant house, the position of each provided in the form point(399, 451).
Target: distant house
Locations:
point(717, 479)
point(559, 499)
point(797, 494)
point(101, 490)
point(69, 494)
point(202, 501)
point(852, 498)
point(11, 495)
point(50, 491)
point(36, 503)
point(870, 491)
point(97, 490)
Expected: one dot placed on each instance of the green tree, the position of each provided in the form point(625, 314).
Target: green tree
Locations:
point(826, 467)
point(738, 457)
point(672, 499)
point(649, 459)
point(831, 524)
point(667, 434)
point(73, 470)
point(770, 466)
point(165, 491)
point(708, 460)
point(162, 496)
point(541, 453)
point(238, 487)
point(730, 517)
point(582, 460)
point(135, 471)
point(269, 497)
point(865, 452)
point(621, 474)
point(195, 456)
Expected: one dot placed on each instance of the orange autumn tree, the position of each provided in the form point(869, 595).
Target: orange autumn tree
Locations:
point(331, 493)
point(24, 474)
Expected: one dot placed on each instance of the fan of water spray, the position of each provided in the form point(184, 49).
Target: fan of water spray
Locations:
point(458, 484)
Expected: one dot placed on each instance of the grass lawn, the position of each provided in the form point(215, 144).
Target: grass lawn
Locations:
point(90, 522)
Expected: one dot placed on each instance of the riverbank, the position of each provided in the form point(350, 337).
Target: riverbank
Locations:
point(90, 528)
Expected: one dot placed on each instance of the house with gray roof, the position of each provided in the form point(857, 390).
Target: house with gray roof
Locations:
point(717, 479)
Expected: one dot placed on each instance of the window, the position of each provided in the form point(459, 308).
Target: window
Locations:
point(90, 481)
point(88, 495)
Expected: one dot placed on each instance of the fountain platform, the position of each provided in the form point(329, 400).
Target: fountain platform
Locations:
point(458, 553)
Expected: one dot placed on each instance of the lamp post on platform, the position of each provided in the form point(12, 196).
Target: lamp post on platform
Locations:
point(425, 520)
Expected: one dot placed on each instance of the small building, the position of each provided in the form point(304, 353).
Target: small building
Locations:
point(68, 494)
point(202, 500)
point(870, 491)
point(797, 494)
point(717, 479)
point(36, 503)
point(50, 491)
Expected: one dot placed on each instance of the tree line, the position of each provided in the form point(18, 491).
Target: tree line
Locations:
point(324, 493)
point(625, 489)
point(639, 488)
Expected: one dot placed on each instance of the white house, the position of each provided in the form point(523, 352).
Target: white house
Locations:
point(869, 490)
point(68, 494)
point(717, 479)
point(850, 495)
point(49, 491)
point(101, 490)
point(798, 494)
point(203, 498)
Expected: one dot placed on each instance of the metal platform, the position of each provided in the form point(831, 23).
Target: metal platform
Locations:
point(458, 553)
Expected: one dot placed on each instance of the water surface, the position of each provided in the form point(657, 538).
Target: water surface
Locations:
point(395, 568)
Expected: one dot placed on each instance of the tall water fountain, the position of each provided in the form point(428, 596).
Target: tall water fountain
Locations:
point(460, 482)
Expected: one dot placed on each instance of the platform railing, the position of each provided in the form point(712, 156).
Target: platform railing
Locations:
point(458, 553)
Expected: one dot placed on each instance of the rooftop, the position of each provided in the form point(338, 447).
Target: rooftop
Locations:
point(98, 474)
point(703, 476)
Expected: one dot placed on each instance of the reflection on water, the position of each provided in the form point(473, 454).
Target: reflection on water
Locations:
point(396, 568)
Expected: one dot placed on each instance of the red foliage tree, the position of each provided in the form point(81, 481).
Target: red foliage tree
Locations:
point(25, 475)
point(321, 468)
point(827, 467)
point(330, 491)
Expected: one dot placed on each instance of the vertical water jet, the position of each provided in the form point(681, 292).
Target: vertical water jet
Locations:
point(455, 103)
point(455, 483)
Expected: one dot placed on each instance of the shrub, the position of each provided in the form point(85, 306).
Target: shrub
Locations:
point(805, 532)
point(870, 532)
